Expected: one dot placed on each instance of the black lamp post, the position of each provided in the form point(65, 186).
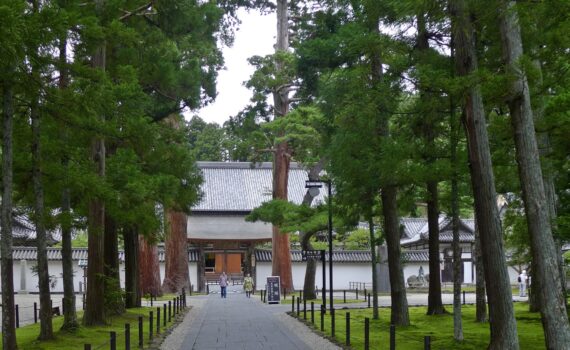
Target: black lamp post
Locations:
point(318, 184)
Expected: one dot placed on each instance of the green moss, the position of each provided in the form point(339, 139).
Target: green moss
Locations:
point(95, 336)
point(439, 327)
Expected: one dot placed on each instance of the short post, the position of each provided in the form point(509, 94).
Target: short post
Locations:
point(356, 293)
point(158, 320)
point(347, 328)
point(322, 318)
point(35, 312)
point(344, 296)
point(141, 332)
point(127, 336)
point(368, 299)
point(17, 316)
point(365, 292)
point(292, 304)
point(62, 306)
point(392, 337)
point(164, 315)
point(86, 346)
point(174, 303)
point(150, 327)
point(463, 297)
point(333, 324)
point(313, 312)
point(427, 342)
point(284, 293)
point(298, 306)
point(305, 309)
point(366, 333)
point(151, 299)
point(169, 310)
point(207, 289)
point(113, 340)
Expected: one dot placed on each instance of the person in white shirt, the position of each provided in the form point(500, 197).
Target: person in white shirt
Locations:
point(522, 283)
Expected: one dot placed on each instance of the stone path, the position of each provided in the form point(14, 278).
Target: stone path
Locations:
point(241, 323)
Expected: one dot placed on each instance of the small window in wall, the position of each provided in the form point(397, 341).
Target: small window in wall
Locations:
point(210, 263)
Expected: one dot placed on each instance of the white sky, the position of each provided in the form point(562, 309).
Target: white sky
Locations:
point(256, 36)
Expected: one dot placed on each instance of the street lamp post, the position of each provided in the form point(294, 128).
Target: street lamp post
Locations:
point(318, 184)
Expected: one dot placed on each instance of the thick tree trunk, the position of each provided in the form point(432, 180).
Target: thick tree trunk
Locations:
point(480, 293)
point(399, 305)
point(149, 268)
point(375, 314)
point(8, 316)
point(95, 304)
point(435, 304)
point(503, 324)
point(176, 274)
point(46, 327)
point(132, 286)
point(70, 322)
point(113, 294)
point(281, 264)
point(551, 299)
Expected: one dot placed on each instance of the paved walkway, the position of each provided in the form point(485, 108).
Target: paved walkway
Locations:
point(241, 323)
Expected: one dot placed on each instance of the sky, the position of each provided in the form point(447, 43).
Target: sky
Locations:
point(256, 36)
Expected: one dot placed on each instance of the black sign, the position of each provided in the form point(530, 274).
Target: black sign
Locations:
point(311, 255)
point(273, 290)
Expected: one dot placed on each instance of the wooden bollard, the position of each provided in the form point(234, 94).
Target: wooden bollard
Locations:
point(366, 333)
point(356, 293)
point(141, 340)
point(368, 299)
point(298, 306)
point(313, 312)
point(151, 300)
point(113, 340)
point(344, 296)
point(305, 309)
point(347, 316)
point(292, 304)
point(127, 336)
point(392, 337)
point(36, 313)
point(322, 318)
point(333, 323)
point(86, 346)
point(150, 327)
point(17, 316)
point(169, 311)
point(164, 315)
point(158, 320)
point(463, 297)
point(427, 342)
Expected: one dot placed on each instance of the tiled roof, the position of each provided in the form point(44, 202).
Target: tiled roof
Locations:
point(415, 256)
point(243, 186)
point(416, 229)
point(24, 231)
point(447, 236)
point(339, 256)
point(30, 253)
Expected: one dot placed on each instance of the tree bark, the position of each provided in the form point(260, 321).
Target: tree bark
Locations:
point(281, 263)
point(176, 274)
point(399, 305)
point(435, 304)
point(480, 293)
point(8, 316)
point(132, 286)
point(95, 305)
point(551, 299)
point(46, 327)
point(149, 268)
point(503, 324)
point(113, 294)
point(70, 322)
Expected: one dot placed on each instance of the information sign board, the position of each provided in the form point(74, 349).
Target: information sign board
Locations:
point(273, 290)
point(311, 255)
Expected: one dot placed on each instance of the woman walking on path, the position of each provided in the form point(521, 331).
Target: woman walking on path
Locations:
point(223, 283)
point(248, 285)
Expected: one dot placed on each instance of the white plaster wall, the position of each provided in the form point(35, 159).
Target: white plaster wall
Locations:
point(226, 227)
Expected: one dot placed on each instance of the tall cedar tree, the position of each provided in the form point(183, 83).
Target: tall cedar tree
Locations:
point(545, 256)
point(281, 263)
point(503, 323)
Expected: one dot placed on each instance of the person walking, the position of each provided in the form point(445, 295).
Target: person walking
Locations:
point(248, 285)
point(223, 284)
point(522, 283)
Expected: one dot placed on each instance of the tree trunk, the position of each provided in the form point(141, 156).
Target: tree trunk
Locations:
point(503, 323)
point(201, 270)
point(435, 304)
point(281, 263)
point(8, 316)
point(95, 304)
point(375, 314)
point(149, 268)
point(113, 293)
point(46, 327)
point(132, 287)
point(551, 299)
point(533, 300)
point(176, 274)
point(399, 308)
point(70, 322)
point(480, 293)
